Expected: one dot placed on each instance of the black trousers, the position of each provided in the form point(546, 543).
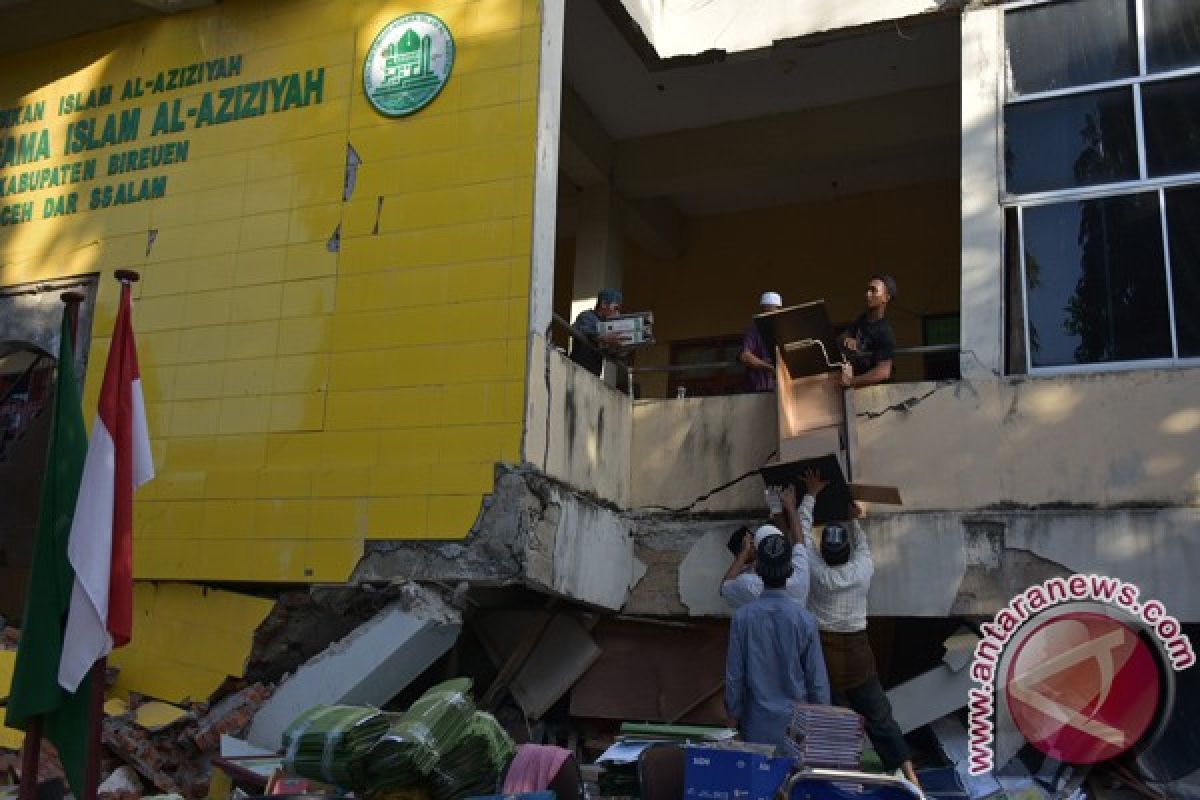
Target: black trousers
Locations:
point(869, 700)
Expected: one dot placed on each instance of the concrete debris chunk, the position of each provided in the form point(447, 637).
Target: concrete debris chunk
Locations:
point(121, 784)
point(175, 757)
point(369, 666)
point(49, 766)
point(231, 715)
point(938, 692)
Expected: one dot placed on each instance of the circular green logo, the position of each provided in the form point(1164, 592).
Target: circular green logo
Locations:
point(408, 64)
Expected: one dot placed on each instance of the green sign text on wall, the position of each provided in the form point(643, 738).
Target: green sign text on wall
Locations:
point(408, 64)
point(95, 135)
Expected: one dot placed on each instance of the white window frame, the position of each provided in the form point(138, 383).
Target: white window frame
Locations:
point(1142, 185)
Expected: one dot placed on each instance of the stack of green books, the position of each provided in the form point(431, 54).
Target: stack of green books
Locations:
point(418, 739)
point(474, 765)
point(330, 743)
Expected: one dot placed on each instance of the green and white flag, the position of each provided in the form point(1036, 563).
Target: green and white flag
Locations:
point(35, 689)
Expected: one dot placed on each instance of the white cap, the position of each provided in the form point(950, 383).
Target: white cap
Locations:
point(770, 299)
point(763, 532)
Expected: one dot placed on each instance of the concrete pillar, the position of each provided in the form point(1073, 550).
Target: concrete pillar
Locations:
point(545, 187)
point(982, 283)
point(599, 245)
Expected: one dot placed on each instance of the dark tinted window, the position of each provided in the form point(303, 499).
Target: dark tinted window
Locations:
point(1172, 34)
point(1069, 44)
point(1095, 281)
point(1078, 140)
point(1171, 112)
point(1014, 305)
point(1183, 228)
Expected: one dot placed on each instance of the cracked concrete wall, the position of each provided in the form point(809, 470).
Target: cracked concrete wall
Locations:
point(495, 550)
point(978, 561)
point(683, 449)
point(1006, 481)
point(1096, 440)
point(593, 552)
point(578, 430)
point(533, 531)
point(685, 27)
point(934, 564)
point(1116, 439)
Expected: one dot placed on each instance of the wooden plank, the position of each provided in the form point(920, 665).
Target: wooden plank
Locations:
point(651, 672)
point(870, 493)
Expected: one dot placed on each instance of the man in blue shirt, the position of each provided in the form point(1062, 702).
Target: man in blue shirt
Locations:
point(774, 659)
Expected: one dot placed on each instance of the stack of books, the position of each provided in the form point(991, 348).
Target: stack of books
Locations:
point(825, 736)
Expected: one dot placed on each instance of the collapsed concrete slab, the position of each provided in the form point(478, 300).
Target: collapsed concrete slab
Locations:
point(370, 666)
point(533, 531)
point(540, 533)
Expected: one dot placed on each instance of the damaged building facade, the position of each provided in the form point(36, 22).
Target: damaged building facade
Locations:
point(347, 322)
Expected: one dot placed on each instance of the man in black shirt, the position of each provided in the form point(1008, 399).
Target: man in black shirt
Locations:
point(868, 344)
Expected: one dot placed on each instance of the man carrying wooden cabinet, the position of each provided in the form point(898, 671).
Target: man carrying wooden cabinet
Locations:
point(869, 344)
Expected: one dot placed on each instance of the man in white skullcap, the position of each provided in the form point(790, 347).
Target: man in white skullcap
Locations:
point(758, 360)
point(742, 584)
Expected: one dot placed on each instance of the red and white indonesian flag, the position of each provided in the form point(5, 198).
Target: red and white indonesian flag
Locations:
point(101, 544)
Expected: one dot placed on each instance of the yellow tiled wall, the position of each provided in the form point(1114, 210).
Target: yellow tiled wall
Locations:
point(186, 640)
point(303, 400)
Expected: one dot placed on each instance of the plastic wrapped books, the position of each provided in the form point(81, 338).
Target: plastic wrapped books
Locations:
point(473, 765)
point(329, 743)
point(418, 739)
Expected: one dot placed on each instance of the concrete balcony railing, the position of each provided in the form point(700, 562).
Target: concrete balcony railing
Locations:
point(1094, 441)
point(1005, 480)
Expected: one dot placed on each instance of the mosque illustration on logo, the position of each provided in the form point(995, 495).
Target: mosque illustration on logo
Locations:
point(407, 63)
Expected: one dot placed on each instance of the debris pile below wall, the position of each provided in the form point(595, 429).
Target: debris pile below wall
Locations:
point(177, 757)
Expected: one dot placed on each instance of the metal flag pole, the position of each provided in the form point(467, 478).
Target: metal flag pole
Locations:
point(99, 672)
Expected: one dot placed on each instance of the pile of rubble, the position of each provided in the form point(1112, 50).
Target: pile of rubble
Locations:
point(175, 757)
point(150, 747)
